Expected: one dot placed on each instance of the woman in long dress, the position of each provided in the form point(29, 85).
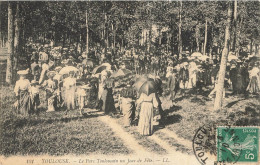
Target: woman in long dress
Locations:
point(70, 91)
point(108, 103)
point(147, 104)
point(254, 84)
point(22, 91)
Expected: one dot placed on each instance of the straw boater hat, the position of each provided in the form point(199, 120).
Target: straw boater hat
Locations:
point(51, 74)
point(22, 72)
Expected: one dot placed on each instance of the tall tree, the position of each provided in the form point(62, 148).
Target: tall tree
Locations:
point(180, 29)
point(17, 25)
point(222, 69)
point(235, 28)
point(206, 37)
point(9, 67)
point(87, 34)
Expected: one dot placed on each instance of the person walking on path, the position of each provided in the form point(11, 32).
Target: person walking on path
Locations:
point(147, 104)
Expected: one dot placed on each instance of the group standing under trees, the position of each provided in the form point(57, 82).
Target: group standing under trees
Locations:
point(106, 29)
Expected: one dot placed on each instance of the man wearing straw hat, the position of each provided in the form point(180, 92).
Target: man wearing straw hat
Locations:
point(22, 92)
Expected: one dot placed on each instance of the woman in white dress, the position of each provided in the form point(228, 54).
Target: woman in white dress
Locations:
point(70, 91)
point(254, 84)
point(147, 104)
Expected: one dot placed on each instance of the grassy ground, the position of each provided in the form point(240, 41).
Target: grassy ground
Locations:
point(52, 133)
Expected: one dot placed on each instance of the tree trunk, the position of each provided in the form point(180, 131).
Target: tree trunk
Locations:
point(235, 27)
point(179, 31)
point(114, 37)
point(16, 37)
point(222, 69)
point(9, 67)
point(205, 39)
point(238, 37)
point(197, 34)
point(87, 31)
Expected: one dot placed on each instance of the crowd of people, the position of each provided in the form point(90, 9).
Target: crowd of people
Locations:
point(73, 80)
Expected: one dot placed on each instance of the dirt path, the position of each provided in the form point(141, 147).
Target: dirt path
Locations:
point(173, 156)
point(178, 139)
point(128, 139)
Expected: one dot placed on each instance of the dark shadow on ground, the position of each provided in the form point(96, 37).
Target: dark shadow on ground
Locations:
point(180, 98)
point(173, 108)
point(198, 100)
point(49, 118)
point(176, 118)
point(229, 105)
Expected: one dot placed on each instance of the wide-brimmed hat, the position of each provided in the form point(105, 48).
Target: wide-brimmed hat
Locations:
point(22, 72)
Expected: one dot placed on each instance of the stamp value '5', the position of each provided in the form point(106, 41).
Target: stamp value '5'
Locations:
point(237, 144)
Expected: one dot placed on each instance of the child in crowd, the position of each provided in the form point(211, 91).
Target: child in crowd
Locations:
point(35, 96)
point(82, 96)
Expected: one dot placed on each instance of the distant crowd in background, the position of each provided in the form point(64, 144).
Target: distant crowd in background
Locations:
point(128, 82)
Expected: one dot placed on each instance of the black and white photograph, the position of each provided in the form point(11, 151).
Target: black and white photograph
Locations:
point(129, 82)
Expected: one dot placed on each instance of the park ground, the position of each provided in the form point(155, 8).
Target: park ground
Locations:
point(57, 134)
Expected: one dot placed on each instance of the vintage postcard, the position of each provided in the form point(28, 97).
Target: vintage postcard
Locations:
point(129, 82)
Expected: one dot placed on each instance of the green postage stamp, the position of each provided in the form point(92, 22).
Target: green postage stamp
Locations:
point(237, 144)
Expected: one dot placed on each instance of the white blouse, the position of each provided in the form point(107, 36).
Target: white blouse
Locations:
point(21, 85)
point(151, 98)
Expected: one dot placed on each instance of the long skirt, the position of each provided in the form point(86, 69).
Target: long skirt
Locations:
point(25, 104)
point(70, 98)
point(253, 86)
point(192, 81)
point(51, 102)
point(128, 109)
point(108, 103)
point(145, 124)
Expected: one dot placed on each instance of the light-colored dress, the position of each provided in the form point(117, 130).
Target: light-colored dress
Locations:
point(70, 92)
point(22, 91)
point(254, 84)
point(147, 103)
point(192, 75)
point(81, 94)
